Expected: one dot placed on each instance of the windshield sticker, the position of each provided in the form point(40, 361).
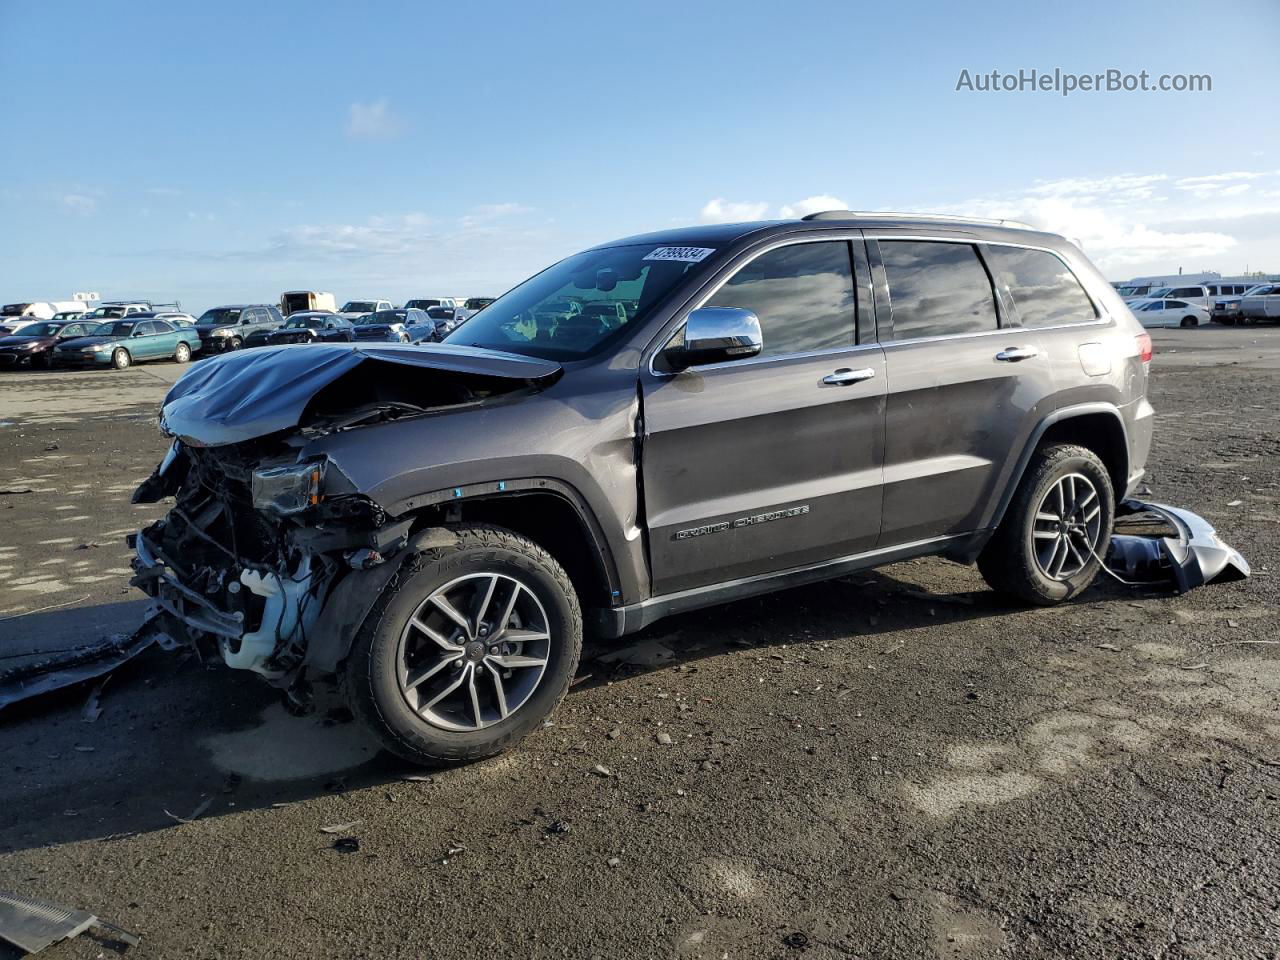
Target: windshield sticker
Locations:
point(682, 254)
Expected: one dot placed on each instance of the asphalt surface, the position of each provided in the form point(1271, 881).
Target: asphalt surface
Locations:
point(896, 764)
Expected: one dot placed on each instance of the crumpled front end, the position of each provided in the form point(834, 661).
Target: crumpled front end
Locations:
point(243, 564)
point(271, 556)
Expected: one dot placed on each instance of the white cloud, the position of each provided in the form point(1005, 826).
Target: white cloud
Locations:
point(1218, 184)
point(164, 191)
point(721, 210)
point(79, 203)
point(817, 204)
point(373, 121)
point(488, 212)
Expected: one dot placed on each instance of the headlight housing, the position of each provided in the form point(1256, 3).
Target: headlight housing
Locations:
point(220, 333)
point(288, 490)
point(102, 347)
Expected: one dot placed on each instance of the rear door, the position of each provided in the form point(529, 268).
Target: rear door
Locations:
point(768, 463)
point(964, 391)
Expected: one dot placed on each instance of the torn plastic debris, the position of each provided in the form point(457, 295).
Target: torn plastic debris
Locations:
point(72, 666)
point(1169, 545)
point(31, 925)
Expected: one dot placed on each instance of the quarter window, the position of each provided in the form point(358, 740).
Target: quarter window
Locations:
point(936, 289)
point(802, 294)
point(1045, 291)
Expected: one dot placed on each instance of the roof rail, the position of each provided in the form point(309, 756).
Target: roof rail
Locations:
point(884, 215)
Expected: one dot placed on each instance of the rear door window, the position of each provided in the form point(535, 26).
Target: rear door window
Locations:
point(802, 293)
point(1045, 291)
point(937, 289)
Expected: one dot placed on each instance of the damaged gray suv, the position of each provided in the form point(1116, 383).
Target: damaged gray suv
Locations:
point(650, 426)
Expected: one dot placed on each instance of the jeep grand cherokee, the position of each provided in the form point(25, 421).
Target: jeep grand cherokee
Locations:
point(652, 425)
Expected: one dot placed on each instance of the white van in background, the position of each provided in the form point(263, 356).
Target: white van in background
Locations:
point(307, 301)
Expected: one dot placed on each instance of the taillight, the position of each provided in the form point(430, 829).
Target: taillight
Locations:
point(1145, 350)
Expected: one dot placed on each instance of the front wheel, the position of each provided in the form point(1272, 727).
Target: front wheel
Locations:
point(1048, 547)
point(121, 360)
point(236, 343)
point(468, 650)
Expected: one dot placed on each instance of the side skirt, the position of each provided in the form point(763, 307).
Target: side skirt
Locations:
point(619, 621)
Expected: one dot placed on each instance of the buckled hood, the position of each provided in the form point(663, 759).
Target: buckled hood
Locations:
point(253, 393)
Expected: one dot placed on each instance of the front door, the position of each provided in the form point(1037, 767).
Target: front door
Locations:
point(771, 462)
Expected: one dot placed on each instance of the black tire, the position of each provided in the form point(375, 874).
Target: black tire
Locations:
point(182, 352)
point(39, 362)
point(121, 360)
point(371, 678)
point(236, 343)
point(1009, 561)
point(1189, 322)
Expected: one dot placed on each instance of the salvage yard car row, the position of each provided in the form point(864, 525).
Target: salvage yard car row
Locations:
point(118, 335)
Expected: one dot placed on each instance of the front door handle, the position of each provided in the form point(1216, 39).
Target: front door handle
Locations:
point(1014, 354)
point(845, 376)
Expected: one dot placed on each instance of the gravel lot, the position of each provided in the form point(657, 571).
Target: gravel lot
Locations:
point(892, 765)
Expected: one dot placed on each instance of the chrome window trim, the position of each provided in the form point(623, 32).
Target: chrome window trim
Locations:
point(847, 236)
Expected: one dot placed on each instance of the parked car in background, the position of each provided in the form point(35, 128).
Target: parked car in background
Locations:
point(1169, 313)
point(115, 310)
point(355, 309)
point(32, 345)
point(391, 326)
point(1198, 294)
point(311, 327)
point(122, 343)
point(476, 304)
point(1229, 288)
point(440, 322)
point(1227, 309)
point(426, 303)
point(226, 328)
point(1261, 304)
point(306, 301)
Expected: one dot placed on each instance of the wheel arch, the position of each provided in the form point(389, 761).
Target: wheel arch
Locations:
point(1096, 426)
point(546, 511)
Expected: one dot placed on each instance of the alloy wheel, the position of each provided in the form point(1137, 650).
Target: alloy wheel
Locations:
point(474, 651)
point(1067, 527)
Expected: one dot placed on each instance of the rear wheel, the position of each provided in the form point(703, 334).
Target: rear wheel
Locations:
point(1189, 322)
point(121, 360)
point(182, 353)
point(1048, 545)
point(468, 651)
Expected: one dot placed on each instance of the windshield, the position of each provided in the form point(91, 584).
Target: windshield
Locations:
point(571, 309)
point(1161, 292)
point(359, 306)
point(13, 309)
point(440, 313)
point(105, 313)
point(220, 315)
point(40, 329)
point(300, 321)
point(120, 328)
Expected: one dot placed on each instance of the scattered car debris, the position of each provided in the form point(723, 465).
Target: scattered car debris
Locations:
point(1158, 544)
point(664, 738)
point(8, 490)
point(646, 653)
point(71, 666)
point(600, 770)
point(31, 925)
point(796, 941)
point(347, 845)
point(92, 709)
point(341, 827)
point(195, 814)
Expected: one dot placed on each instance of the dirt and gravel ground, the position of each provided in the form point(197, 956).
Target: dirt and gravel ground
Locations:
point(892, 765)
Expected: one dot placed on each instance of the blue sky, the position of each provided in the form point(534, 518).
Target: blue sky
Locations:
point(226, 152)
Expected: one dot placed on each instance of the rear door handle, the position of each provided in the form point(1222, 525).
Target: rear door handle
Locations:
point(1014, 354)
point(845, 376)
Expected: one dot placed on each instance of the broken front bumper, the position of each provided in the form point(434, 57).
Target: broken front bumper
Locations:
point(1174, 546)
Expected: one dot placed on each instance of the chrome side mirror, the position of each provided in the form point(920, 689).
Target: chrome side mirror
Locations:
point(714, 335)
